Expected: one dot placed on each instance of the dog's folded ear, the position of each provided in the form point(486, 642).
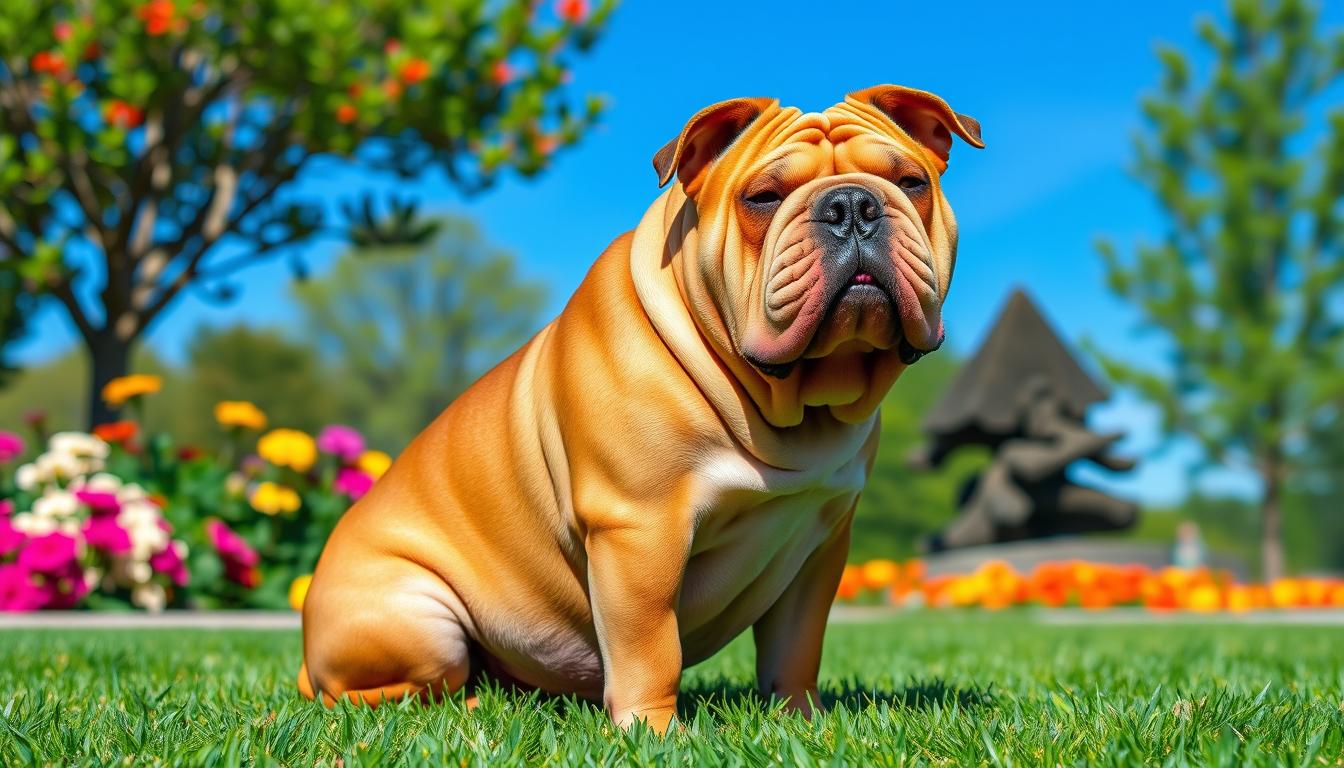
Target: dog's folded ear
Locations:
point(925, 117)
point(705, 136)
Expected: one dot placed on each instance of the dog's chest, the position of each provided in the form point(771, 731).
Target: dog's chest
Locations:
point(755, 527)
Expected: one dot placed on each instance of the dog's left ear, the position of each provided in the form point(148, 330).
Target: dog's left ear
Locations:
point(926, 117)
point(705, 135)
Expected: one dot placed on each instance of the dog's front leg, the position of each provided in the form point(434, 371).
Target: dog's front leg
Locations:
point(634, 580)
point(788, 637)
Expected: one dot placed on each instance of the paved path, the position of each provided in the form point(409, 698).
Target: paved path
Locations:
point(844, 614)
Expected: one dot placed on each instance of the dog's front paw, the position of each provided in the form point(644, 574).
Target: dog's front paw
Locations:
point(659, 719)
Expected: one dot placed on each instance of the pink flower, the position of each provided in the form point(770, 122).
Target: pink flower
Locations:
point(17, 590)
point(99, 502)
point(341, 441)
point(11, 446)
point(10, 538)
point(67, 588)
point(103, 532)
point(6, 507)
point(170, 564)
point(49, 554)
point(240, 560)
point(352, 482)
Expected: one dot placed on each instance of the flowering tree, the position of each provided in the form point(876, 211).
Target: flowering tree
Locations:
point(148, 146)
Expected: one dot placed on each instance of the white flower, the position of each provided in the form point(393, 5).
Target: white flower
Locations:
point(60, 466)
point(69, 528)
point(235, 485)
point(56, 503)
point(150, 596)
point(78, 444)
point(101, 483)
point(31, 525)
point(139, 572)
point(28, 477)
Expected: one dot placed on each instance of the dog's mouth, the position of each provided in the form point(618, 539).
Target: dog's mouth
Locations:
point(862, 315)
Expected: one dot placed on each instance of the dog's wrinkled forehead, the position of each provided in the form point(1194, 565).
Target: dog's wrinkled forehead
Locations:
point(919, 123)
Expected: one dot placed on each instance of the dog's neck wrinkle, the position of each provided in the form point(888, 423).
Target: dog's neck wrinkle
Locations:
point(817, 440)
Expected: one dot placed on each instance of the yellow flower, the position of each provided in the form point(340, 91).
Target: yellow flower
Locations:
point(239, 413)
point(288, 448)
point(298, 591)
point(374, 463)
point(117, 391)
point(272, 499)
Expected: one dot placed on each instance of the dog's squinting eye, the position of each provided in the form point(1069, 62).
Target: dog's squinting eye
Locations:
point(912, 183)
point(765, 197)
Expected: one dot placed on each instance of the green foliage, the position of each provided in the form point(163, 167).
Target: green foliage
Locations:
point(901, 505)
point(1246, 284)
point(921, 689)
point(408, 329)
point(148, 145)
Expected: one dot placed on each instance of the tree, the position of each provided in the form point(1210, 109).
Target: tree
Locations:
point(284, 378)
point(148, 146)
point(1246, 284)
point(15, 306)
point(409, 328)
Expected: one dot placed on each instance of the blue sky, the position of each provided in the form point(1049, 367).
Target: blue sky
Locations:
point(1055, 85)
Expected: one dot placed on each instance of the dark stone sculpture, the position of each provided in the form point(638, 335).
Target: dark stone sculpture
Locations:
point(1024, 396)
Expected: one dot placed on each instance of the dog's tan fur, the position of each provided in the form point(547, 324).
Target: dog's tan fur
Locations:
point(627, 493)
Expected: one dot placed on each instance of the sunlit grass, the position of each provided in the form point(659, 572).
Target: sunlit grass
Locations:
point(924, 689)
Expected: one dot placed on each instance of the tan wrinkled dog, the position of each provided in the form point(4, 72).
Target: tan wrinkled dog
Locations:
point(678, 455)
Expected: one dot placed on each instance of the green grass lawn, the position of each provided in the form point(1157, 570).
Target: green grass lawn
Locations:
point(924, 689)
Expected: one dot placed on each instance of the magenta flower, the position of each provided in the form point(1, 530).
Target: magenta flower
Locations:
point(67, 588)
point(11, 446)
point(104, 533)
point(49, 554)
point(18, 592)
point(352, 482)
point(341, 441)
point(240, 560)
point(10, 537)
point(99, 502)
point(170, 564)
point(6, 507)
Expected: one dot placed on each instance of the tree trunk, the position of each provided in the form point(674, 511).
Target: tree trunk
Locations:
point(110, 357)
point(1271, 521)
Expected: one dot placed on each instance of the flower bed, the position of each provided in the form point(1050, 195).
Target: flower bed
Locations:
point(117, 520)
point(996, 585)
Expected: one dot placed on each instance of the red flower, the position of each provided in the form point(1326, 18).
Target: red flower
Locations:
point(414, 71)
point(118, 432)
point(392, 45)
point(158, 16)
point(47, 63)
point(62, 31)
point(346, 113)
point(122, 114)
point(573, 11)
point(502, 73)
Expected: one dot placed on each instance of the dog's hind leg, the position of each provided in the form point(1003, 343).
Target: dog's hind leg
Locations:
point(380, 629)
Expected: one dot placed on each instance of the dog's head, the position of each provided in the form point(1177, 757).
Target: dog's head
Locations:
point(818, 248)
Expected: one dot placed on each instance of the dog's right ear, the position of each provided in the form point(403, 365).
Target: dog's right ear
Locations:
point(705, 136)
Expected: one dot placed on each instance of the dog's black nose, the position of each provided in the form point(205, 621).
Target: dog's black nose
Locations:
point(848, 210)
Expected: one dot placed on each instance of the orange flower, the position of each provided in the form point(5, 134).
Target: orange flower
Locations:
point(1285, 593)
point(572, 11)
point(346, 114)
point(879, 573)
point(118, 432)
point(47, 63)
point(1204, 598)
point(240, 414)
point(502, 73)
point(159, 17)
point(119, 390)
point(1240, 599)
point(851, 582)
point(122, 114)
point(414, 71)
